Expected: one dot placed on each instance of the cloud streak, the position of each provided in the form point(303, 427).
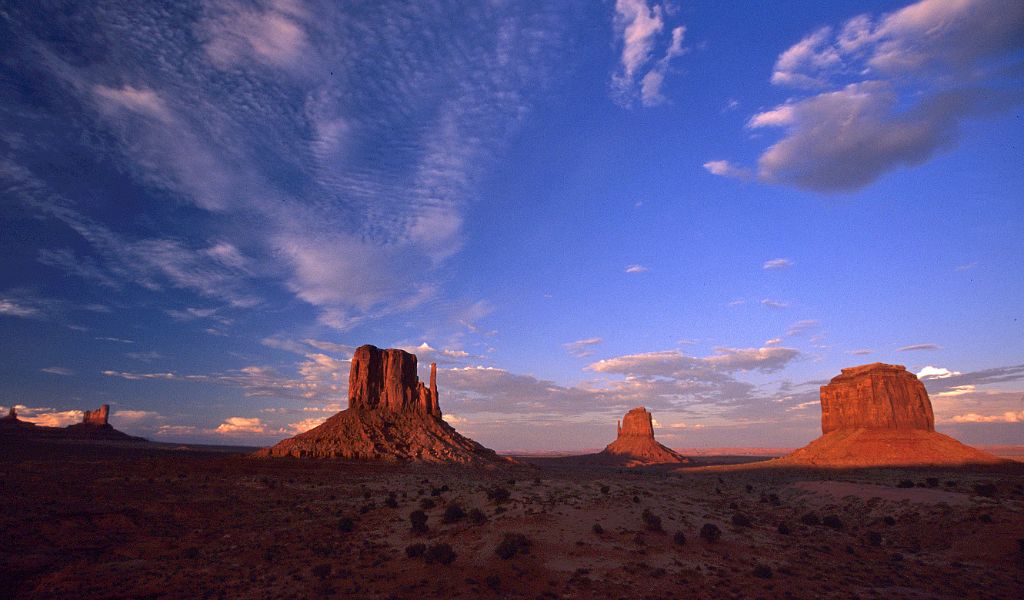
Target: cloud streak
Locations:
point(886, 92)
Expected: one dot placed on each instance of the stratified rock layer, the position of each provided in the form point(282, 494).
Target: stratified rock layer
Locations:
point(635, 444)
point(875, 396)
point(880, 415)
point(392, 416)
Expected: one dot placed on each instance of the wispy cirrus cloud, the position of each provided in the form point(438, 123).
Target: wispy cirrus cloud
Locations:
point(342, 199)
point(777, 263)
point(918, 347)
point(885, 92)
point(582, 348)
point(638, 27)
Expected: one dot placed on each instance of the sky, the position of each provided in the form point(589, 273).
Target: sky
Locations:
point(574, 208)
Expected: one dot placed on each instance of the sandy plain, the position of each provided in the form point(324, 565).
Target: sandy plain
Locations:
point(86, 520)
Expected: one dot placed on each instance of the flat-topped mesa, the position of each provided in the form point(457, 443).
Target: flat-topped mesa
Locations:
point(387, 380)
point(880, 415)
point(96, 417)
point(875, 396)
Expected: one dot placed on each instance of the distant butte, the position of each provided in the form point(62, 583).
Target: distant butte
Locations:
point(635, 444)
point(391, 416)
point(94, 426)
point(880, 415)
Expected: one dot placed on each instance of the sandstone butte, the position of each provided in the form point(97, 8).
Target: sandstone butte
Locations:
point(880, 415)
point(391, 416)
point(94, 425)
point(635, 444)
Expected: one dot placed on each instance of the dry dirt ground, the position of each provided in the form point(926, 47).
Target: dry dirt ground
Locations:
point(99, 521)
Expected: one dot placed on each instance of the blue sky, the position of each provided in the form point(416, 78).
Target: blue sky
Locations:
point(574, 209)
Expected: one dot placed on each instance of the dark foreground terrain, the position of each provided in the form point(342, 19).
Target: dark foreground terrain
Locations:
point(102, 521)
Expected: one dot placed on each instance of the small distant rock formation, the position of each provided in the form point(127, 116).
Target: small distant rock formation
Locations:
point(94, 426)
point(635, 444)
point(391, 416)
point(96, 417)
point(880, 415)
point(11, 422)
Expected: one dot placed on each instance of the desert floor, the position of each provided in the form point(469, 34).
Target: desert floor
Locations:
point(100, 521)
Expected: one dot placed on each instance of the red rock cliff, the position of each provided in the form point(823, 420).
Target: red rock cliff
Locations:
point(875, 396)
point(387, 380)
point(96, 417)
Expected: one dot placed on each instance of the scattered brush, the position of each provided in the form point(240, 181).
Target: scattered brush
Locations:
point(512, 544)
point(651, 520)
point(710, 532)
point(418, 520)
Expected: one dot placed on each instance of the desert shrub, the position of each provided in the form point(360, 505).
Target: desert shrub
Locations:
point(951, 483)
point(734, 506)
point(710, 532)
point(418, 520)
point(985, 489)
point(679, 538)
point(440, 553)
point(874, 538)
point(493, 582)
point(636, 499)
point(1020, 545)
point(906, 483)
point(889, 520)
point(321, 571)
point(346, 524)
point(639, 539)
point(741, 520)
point(605, 489)
point(415, 550)
point(366, 508)
point(453, 513)
point(392, 501)
point(191, 553)
point(366, 495)
point(810, 519)
point(498, 494)
point(763, 571)
point(832, 522)
point(477, 517)
point(750, 488)
point(427, 504)
point(651, 520)
point(985, 518)
point(435, 492)
point(499, 509)
point(597, 529)
point(783, 528)
point(772, 499)
point(512, 544)
point(932, 482)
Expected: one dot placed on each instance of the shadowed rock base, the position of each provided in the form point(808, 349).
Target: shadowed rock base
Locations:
point(880, 447)
point(370, 435)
